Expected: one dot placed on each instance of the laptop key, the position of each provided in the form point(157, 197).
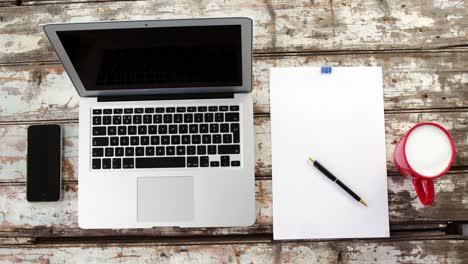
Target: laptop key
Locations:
point(99, 131)
point(191, 109)
point(159, 109)
point(97, 111)
point(227, 138)
point(162, 129)
point(98, 152)
point(142, 130)
point(214, 164)
point(149, 110)
point(214, 128)
point(219, 117)
point(180, 150)
point(106, 163)
point(122, 130)
point(172, 129)
point(204, 128)
point(137, 119)
point(96, 164)
point(178, 118)
point(209, 117)
point(112, 130)
point(232, 117)
point(138, 110)
point(201, 150)
point(216, 139)
point(128, 111)
point(147, 119)
point(175, 140)
point(109, 152)
point(193, 128)
point(134, 141)
point(106, 120)
point(127, 163)
point(213, 108)
point(117, 111)
point(127, 119)
point(154, 140)
point(196, 139)
point(167, 118)
point(204, 161)
point(152, 130)
point(223, 108)
point(116, 163)
point(183, 129)
point(139, 151)
point(160, 151)
point(186, 139)
point(235, 163)
point(211, 150)
point(132, 130)
point(224, 161)
point(165, 140)
point(117, 120)
point(206, 139)
point(160, 162)
point(198, 118)
point(202, 109)
point(170, 150)
point(119, 152)
point(144, 140)
point(107, 111)
point(114, 141)
point(228, 149)
point(124, 141)
point(157, 119)
point(224, 128)
point(96, 120)
point(170, 109)
point(129, 151)
point(192, 162)
point(234, 108)
point(149, 151)
point(188, 118)
point(236, 137)
point(181, 109)
point(191, 150)
point(100, 141)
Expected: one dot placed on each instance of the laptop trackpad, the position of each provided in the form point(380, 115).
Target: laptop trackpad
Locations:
point(162, 199)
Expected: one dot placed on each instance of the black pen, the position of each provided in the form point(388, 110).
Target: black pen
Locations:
point(333, 178)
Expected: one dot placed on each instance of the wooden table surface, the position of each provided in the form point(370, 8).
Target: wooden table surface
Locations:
point(421, 46)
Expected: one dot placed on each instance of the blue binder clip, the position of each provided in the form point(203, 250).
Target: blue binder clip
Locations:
point(326, 70)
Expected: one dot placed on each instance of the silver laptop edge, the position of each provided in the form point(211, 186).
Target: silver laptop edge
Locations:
point(184, 197)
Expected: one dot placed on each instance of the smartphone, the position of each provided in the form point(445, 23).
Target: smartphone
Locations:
point(44, 163)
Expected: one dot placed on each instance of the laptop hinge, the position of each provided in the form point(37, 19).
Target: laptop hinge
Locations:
point(116, 98)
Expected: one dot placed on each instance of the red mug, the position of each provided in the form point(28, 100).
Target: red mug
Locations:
point(424, 153)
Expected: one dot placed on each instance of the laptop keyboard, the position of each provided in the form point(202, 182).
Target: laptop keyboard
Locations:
point(165, 137)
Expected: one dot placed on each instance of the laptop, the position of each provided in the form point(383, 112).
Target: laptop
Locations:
point(165, 121)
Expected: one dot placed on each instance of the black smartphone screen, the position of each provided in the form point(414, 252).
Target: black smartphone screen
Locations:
point(44, 163)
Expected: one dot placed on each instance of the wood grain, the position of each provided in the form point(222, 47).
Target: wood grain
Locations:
point(412, 81)
point(13, 142)
point(21, 218)
point(279, 26)
point(419, 251)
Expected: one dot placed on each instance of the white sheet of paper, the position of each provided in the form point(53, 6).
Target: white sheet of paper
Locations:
point(338, 119)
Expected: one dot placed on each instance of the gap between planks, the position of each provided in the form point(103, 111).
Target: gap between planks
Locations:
point(279, 54)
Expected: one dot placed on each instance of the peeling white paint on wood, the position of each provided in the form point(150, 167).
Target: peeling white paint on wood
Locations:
point(419, 252)
point(410, 81)
point(278, 26)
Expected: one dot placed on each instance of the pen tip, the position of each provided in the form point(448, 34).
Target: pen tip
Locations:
point(311, 159)
point(364, 203)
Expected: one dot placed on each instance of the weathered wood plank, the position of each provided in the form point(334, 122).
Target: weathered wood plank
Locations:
point(21, 218)
point(13, 142)
point(278, 25)
point(419, 251)
point(411, 81)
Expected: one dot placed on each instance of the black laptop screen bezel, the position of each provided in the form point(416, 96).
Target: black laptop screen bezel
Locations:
point(246, 46)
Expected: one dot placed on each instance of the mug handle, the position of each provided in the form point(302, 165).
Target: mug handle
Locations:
point(425, 190)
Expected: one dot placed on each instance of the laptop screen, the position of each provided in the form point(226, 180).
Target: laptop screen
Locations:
point(156, 57)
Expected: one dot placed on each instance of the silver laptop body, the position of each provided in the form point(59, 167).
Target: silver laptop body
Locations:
point(165, 122)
